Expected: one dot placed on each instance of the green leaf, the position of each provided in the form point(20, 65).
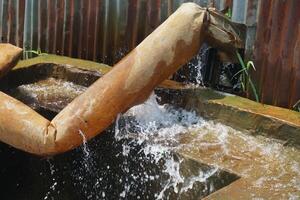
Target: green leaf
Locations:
point(246, 78)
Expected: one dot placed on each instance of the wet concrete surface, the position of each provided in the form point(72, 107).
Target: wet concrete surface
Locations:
point(268, 169)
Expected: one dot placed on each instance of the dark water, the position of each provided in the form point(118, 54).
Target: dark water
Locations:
point(103, 169)
point(106, 173)
point(68, 176)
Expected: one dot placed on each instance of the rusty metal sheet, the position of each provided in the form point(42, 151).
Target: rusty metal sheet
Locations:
point(105, 30)
point(277, 52)
point(99, 30)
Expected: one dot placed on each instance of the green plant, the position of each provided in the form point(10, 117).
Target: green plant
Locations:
point(35, 52)
point(244, 76)
point(229, 13)
point(296, 107)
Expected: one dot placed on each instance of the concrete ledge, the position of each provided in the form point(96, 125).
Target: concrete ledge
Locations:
point(81, 64)
point(241, 189)
point(62, 60)
point(240, 113)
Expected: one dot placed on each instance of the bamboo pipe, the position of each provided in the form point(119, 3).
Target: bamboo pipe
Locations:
point(9, 55)
point(23, 128)
point(130, 82)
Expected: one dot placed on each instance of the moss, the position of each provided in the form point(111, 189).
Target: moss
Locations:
point(211, 96)
point(83, 64)
point(273, 111)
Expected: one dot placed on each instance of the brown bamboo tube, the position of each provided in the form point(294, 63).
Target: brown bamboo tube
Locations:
point(9, 55)
point(23, 128)
point(132, 80)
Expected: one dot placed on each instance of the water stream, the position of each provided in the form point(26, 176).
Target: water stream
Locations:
point(149, 134)
point(137, 158)
point(156, 128)
point(143, 155)
point(147, 137)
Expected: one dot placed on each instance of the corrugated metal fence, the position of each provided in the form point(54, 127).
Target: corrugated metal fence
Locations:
point(99, 30)
point(277, 52)
point(106, 30)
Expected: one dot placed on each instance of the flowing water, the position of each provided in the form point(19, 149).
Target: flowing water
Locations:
point(157, 128)
point(153, 132)
point(149, 135)
point(192, 73)
point(134, 159)
point(143, 155)
point(52, 94)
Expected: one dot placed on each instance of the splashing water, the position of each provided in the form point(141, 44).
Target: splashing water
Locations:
point(161, 128)
point(196, 66)
point(48, 93)
point(139, 160)
point(192, 73)
point(86, 174)
point(54, 182)
point(158, 129)
point(86, 150)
